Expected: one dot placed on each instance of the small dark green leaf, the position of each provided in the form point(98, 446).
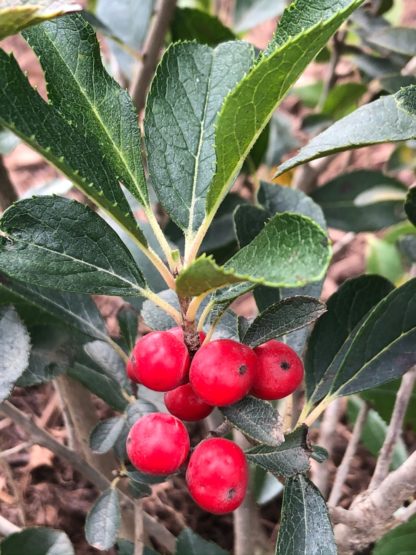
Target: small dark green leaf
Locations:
point(109, 361)
point(103, 521)
point(143, 478)
point(105, 434)
point(139, 490)
point(43, 245)
point(289, 458)
point(319, 454)
point(189, 543)
point(305, 527)
point(389, 119)
point(138, 409)
point(353, 300)
point(396, 39)
point(400, 540)
point(361, 201)
point(282, 318)
point(128, 321)
point(104, 387)
point(37, 541)
point(257, 419)
point(14, 350)
point(189, 24)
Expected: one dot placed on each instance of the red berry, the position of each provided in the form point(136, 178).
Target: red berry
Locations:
point(178, 332)
point(279, 371)
point(158, 444)
point(222, 372)
point(217, 475)
point(160, 361)
point(186, 405)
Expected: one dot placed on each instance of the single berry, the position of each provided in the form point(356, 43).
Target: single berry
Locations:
point(279, 371)
point(178, 332)
point(186, 405)
point(217, 475)
point(160, 361)
point(222, 372)
point(158, 443)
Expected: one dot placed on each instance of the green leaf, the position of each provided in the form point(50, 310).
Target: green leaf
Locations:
point(300, 246)
point(396, 39)
point(410, 205)
point(288, 459)
point(343, 99)
point(362, 200)
point(384, 259)
point(257, 419)
point(103, 521)
point(101, 385)
point(379, 348)
point(37, 541)
point(374, 433)
point(109, 361)
point(246, 111)
point(78, 312)
point(16, 15)
point(382, 399)
point(388, 119)
point(86, 96)
point(282, 318)
point(105, 434)
point(400, 541)
point(126, 547)
point(187, 92)
point(76, 154)
point(189, 24)
point(250, 13)
point(144, 478)
point(128, 322)
point(43, 245)
point(345, 308)
point(189, 543)
point(305, 527)
point(14, 350)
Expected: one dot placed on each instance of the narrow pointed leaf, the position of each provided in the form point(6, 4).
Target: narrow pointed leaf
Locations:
point(76, 155)
point(37, 541)
point(109, 361)
point(105, 434)
point(103, 521)
point(396, 39)
point(305, 528)
point(16, 15)
point(192, 24)
point(389, 119)
point(249, 107)
point(257, 419)
point(345, 308)
point(299, 245)
point(42, 244)
point(187, 92)
point(88, 98)
point(14, 350)
point(282, 318)
point(128, 321)
point(287, 459)
point(190, 543)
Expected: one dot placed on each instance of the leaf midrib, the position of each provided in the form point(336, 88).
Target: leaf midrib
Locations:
point(98, 118)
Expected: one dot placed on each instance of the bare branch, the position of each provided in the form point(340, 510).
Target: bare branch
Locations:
point(138, 528)
point(344, 467)
point(394, 430)
point(151, 50)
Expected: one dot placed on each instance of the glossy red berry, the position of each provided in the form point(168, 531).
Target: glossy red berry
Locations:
point(222, 372)
point(279, 371)
point(160, 361)
point(178, 332)
point(217, 475)
point(158, 444)
point(184, 403)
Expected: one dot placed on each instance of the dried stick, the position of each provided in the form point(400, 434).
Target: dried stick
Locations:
point(43, 438)
point(138, 528)
point(7, 527)
point(344, 467)
point(151, 50)
point(327, 435)
point(394, 430)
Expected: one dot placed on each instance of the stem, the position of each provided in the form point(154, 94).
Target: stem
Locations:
point(204, 315)
point(317, 411)
point(190, 333)
point(163, 242)
point(168, 308)
point(193, 243)
point(396, 423)
point(194, 306)
point(344, 467)
point(287, 419)
point(138, 528)
point(114, 345)
point(151, 49)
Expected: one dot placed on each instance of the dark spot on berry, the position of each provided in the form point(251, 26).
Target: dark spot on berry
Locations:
point(231, 493)
point(284, 365)
point(242, 370)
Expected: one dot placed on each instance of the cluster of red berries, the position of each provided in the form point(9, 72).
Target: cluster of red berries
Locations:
point(221, 373)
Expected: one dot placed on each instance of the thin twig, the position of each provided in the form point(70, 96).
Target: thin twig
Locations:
point(138, 528)
point(15, 449)
point(7, 527)
point(151, 50)
point(394, 430)
point(43, 438)
point(344, 467)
